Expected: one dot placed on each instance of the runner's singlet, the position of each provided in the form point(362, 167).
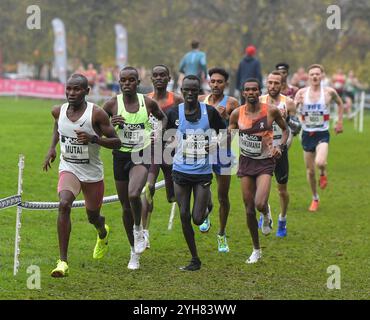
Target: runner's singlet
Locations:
point(255, 136)
point(315, 116)
point(136, 130)
point(278, 133)
point(169, 103)
point(191, 156)
point(82, 160)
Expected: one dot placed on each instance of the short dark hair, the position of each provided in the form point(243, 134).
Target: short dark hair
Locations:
point(252, 80)
point(220, 71)
point(163, 66)
point(282, 65)
point(132, 69)
point(192, 77)
point(81, 78)
point(195, 44)
point(276, 73)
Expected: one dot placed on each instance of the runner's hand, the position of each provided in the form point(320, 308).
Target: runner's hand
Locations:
point(338, 128)
point(117, 120)
point(50, 157)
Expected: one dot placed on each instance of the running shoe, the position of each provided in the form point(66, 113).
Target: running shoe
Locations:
point(194, 265)
point(222, 243)
point(134, 262)
point(139, 241)
point(314, 206)
point(101, 246)
point(267, 223)
point(205, 226)
point(61, 270)
point(282, 230)
point(255, 256)
point(323, 182)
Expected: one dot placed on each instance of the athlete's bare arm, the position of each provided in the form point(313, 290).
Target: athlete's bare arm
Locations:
point(336, 98)
point(291, 107)
point(51, 155)
point(276, 116)
point(111, 108)
point(103, 127)
point(232, 104)
point(299, 98)
point(156, 111)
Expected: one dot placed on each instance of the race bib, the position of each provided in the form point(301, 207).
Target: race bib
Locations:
point(250, 145)
point(132, 135)
point(153, 122)
point(278, 133)
point(194, 145)
point(314, 120)
point(74, 151)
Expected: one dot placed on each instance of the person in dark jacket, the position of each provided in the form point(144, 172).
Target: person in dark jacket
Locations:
point(249, 67)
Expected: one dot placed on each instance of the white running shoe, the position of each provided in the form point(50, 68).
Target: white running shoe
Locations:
point(139, 240)
point(134, 263)
point(255, 256)
point(146, 236)
point(267, 222)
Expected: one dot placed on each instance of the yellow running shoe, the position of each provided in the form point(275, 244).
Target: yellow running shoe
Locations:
point(101, 247)
point(61, 270)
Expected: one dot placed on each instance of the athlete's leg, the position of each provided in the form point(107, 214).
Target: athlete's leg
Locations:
point(284, 198)
point(93, 194)
point(248, 185)
point(263, 186)
point(309, 159)
point(322, 150)
point(223, 186)
point(170, 191)
point(183, 193)
point(137, 177)
point(68, 189)
point(127, 215)
point(202, 195)
point(147, 208)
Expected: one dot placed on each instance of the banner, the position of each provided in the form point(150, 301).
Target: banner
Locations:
point(121, 46)
point(60, 50)
point(32, 88)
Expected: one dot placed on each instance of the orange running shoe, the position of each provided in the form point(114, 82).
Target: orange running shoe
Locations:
point(314, 206)
point(323, 181)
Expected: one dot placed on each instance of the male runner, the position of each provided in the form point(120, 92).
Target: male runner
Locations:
point(196, 124)
point(288, 111)
point(165, 99)
point(257, 157)
point(315, 112)
point(224, 105)
point(79, 127)
point(130, 112)
point(286, 89)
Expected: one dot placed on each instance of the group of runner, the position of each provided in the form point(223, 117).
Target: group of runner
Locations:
point(189, 138)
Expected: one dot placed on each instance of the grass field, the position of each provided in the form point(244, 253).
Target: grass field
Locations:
point(292, 268)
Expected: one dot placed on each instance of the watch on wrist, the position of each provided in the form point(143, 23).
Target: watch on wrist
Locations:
point(94, 139)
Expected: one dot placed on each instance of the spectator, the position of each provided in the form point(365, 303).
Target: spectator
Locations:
point(193, 63)
point(249, 67)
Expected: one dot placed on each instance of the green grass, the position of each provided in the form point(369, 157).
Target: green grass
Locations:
point(292, 268)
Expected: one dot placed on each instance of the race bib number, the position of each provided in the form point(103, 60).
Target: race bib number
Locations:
point(194, 145)
point(73, 151)
point(132, 135)
point(314, 120)
point(153, 122)
point(250, 145)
